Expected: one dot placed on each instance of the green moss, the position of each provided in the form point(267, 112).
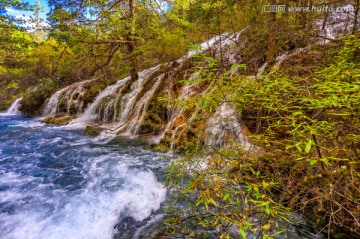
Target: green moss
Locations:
point(73, 109)
point(166, 140)
point(149, 127)
point(160, 147)
point(62, 105)
point(35, 97)
point(93, 130)
point(342, 236)
point(63, 120)
point(153, 117)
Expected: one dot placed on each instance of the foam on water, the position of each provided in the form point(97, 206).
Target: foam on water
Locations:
point(57, 183)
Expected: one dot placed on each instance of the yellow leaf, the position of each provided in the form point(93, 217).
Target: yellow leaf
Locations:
point(266, 226)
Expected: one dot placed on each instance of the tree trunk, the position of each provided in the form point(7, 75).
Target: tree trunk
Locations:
point(357, 7)
point(325, 21)
point(131, 44)
point(271, 51)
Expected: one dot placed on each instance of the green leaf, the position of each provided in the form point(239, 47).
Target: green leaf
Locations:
point(298, 147)
point(312, 162)
point(242, 233)
point(308, 146)
point(199, 202)
point(205, 103)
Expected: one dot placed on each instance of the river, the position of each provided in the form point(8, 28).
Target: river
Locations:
point(58, 183)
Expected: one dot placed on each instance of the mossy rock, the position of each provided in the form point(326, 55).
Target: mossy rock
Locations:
point(93, 130)
point(186, 146)
point(62, 106)
point(92, 89)
point(153, 117)
point(73, 108)
point(159, 147)
point(342, 236)
point(75, 96)
point(148, 127)
point(59, 119)
point(166, 140)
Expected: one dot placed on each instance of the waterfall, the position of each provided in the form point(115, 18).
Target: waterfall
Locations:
point(68, 100)
point(188, 90)
point(329, 28)
point(172, 127)
point(141, 107)
point(119, 103)
point(14, 108)
point(336, 23)
point(225, 126)
point(225, 39)
point(123, 108)
point(129, 100)
point(51, 105)
point(90, 114)
point(208, 44)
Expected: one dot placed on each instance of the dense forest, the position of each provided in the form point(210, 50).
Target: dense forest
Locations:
point(259, 99)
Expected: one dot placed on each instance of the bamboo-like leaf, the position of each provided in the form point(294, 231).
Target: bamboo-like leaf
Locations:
point(308, 146)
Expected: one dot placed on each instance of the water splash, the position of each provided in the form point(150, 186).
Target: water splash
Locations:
point(60, 184)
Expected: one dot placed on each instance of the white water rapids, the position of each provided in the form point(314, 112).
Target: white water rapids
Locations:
point(56, 183)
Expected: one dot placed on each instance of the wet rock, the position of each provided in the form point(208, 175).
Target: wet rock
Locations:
point(93, 130)
point(151, 228)
point(59, 119)
point(342, 236)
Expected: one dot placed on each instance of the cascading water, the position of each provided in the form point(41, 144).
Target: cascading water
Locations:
point(220, 41)
point(14, 108)
point(68, 100)
point(189, 90)
point(114, 105)
point(51, 106)
point(122, 108)
point(207, 45)
point(91, 115)
point(56, 183)
point(224, 126)
point(141, 107)
point(337, 22)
